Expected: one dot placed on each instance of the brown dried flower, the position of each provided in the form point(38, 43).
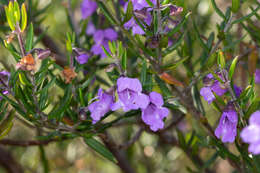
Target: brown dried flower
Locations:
point(69, 74)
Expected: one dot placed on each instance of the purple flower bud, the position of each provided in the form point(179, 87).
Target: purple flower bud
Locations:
point(227, 127)
point(257, 76)
point(4, 79)
point(237, 90)
point(129, 95)
point(43, 53)
point(99, 108)
point(88, 7)
point(83, 58)
point(175, 10)
point(154, 113)
point(250, 134)
point(4, 82)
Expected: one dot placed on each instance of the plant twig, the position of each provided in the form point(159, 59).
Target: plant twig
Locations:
point(133, 140)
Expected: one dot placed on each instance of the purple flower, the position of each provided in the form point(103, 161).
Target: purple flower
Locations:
point(140, 4)
point(211, 85)
point(207, 94)
point(83, 58)
point(129, 95)
point(154, 113)
point(237, 90)
point(88, 7)
point(136, 29)
point(99, 108)
point(227, 127)
point(251, 133)
point(101, 38)
point(122, 2)
point(257, 76)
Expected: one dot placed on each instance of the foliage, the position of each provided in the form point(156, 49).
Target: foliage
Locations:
point(158, 60)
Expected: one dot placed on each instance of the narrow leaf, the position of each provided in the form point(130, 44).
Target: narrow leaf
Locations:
point(99, 148)
point(24, 18)
point(29, 38)
point(232, 68)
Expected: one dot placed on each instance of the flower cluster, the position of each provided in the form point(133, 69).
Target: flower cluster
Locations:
point(130, 97)
point(251, 133)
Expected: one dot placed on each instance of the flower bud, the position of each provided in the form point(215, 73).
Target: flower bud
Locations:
point(175, 10)
point(43, 53)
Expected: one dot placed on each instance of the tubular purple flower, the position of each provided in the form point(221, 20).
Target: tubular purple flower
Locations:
point(227, 127)
point(88, 7)
point(129, 95)
point(154, 113)
point(100, 107)
point(251, 133)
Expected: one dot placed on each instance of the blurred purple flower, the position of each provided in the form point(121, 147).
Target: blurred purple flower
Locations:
point(91, 29)
point(227, 127)
point(140, 4)
point(237, 90)
point(154, 113)
point(122, 2)
point(257, 76)
point(99, 108)
point(101, 38)
point(83, 58)
point(251, 133)
point(136, 29)
point(88, 7)
point(129, 95)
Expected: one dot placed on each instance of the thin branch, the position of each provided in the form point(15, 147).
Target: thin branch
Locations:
point(23, 143)
point(9, 163)
point(133, 140)
point(122, 161)
point(173, 123)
